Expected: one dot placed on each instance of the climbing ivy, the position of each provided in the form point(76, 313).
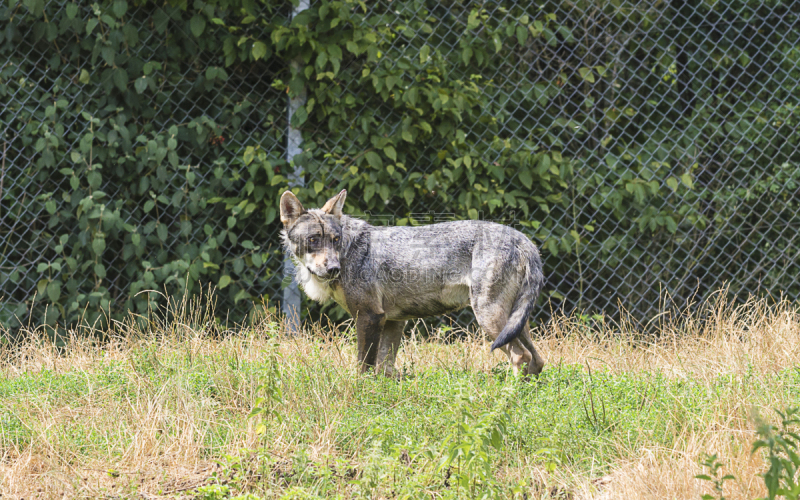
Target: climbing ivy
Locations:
point(146, 142)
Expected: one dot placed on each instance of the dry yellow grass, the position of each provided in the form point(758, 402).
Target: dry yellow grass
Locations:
point(151, 439)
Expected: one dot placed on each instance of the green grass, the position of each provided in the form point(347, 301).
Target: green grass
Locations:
point(333, 421)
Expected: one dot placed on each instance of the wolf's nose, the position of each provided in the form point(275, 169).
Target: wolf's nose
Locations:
point(333, 268)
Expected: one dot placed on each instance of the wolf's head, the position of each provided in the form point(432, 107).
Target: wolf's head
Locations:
point(314, 236)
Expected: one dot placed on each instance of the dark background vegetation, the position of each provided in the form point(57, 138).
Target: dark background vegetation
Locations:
point(646, 147)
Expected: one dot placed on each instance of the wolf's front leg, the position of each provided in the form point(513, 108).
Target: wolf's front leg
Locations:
point(388, 347)
point(369, 328)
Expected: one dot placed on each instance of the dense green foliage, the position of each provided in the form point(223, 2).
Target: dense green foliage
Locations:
point(146, 141)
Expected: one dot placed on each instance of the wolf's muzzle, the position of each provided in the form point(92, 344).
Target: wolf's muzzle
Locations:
point(333, 270)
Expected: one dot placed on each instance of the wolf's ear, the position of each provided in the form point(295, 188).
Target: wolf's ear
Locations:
point(291, 209)
point(335, 205)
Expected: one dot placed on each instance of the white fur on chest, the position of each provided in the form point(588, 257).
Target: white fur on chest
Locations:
point(319, 290)
point(313, 286)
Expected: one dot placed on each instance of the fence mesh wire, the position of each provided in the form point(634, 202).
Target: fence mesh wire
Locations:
point(668, 69)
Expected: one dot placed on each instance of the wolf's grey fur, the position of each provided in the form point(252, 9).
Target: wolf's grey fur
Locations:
point(385, 276)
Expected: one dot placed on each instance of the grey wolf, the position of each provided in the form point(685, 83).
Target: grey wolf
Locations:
point(385, 276)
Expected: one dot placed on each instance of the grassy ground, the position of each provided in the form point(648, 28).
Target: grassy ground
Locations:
point(163, 411)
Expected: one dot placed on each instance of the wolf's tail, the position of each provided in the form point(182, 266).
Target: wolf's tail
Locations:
point(528, 292)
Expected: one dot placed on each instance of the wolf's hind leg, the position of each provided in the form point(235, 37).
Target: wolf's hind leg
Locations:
point(536, 364)
point(388, 346)
point(492, 317)
point(518, 355)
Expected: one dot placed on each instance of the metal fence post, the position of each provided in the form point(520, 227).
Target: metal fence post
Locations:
point(291, 294)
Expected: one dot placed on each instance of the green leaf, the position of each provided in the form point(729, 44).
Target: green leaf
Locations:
point(672, 226)
point(586, 74)
point(498, 43)
point(390, 152)
point(322, 60)
point(411, 96)
point(150, 66)
point(374, 160)
point(249, 154)
point(120, 79)
point(687, 180)
point(54, 291)
point(100, 270)
point(369, 192)
point(525, 177)
point(466, 55)
point(95, 179)
point(300, 116)
point(72, 10)
point(51, 316)
point(197, 24)
point(41, 286)
point(472, 20)
point(424, 54)
point(318, 187)
point(544, 163)
point(98, 246)
point(259, 50)
point(119, 8)
point(241, 295)
point(84, 78)
point(672, 182)
point(522, 34)
point(91, 24)
point(408, 194)
point(224, 281)
point(335, 52)
point(131, 35)
point(552, 246)
point(35, 6)
point(140, 84)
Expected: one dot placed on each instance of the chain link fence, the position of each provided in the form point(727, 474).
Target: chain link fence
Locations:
point(671, 130)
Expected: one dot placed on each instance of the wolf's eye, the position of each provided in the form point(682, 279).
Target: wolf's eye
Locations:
point(313, 240)
point(336, 239)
